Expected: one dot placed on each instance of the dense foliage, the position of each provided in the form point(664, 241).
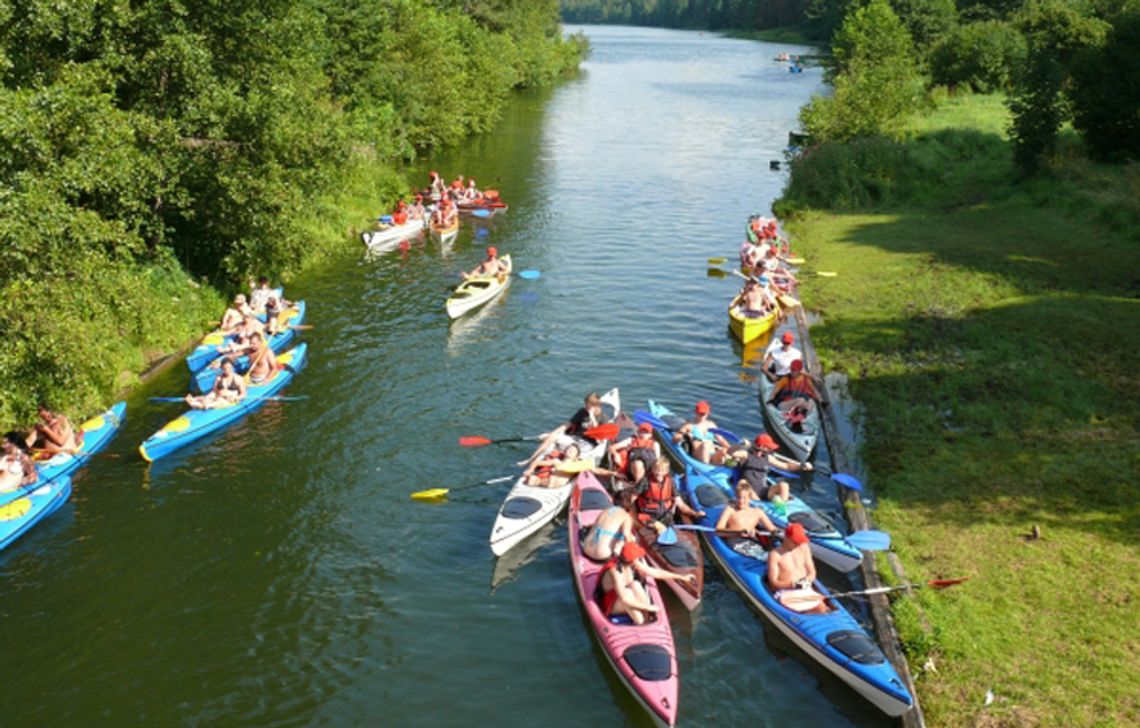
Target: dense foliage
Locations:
point(145, 144)
point(713, 14)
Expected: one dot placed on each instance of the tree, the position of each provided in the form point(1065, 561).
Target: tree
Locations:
point(1105, 93)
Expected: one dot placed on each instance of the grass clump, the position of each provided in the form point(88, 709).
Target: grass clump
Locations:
point(988, 327)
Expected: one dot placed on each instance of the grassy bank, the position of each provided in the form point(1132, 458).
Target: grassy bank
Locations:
point(989, 328)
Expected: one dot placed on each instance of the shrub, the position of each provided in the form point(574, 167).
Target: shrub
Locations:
point(981, 56)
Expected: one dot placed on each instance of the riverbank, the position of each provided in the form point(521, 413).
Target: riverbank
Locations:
point(988, 330)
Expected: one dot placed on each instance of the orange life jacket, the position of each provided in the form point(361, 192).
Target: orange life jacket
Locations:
point(657, 498)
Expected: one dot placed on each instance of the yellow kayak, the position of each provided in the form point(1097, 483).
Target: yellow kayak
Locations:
point(749, 326)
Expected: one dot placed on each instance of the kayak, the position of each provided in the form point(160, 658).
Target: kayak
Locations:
point(469, 206)
point(800, 439)
point(379, 241)
point(477, 290)
point(643, 656)
point(747, 326)
point(828, 544)
point(22, 509)
point(445, 233)
point(682, 557)
point(834, 640)
point(202, 381)
point(207, 349)
point(195, 424)
point(97, 432)
point(528, 508)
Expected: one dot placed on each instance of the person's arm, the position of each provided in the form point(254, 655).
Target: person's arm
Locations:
point(776, 390)
point(660, 574)
point(547, 442)
point(49, 433)
point(775, 569)
point(722, 522)
point(31, 475)
point(810, 567)
point(240, 389)
point(688, 510)
point(787, 463)
point(680, 433)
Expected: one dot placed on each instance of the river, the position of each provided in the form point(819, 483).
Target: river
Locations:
point(277, 573)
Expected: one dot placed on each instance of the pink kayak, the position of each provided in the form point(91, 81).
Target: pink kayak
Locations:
point(643, 655)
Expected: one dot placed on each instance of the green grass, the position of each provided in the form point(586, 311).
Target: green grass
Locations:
point(786, 34)
point(990, 331)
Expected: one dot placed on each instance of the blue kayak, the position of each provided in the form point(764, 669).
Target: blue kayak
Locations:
point(97, 432)
point(835, 640)
point(827, 543)
point(207, 349)
point(196, 424)
point(202, 381)
point(24, 508)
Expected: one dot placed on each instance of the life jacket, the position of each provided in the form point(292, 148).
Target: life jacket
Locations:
point(755, 470)
point(657, 500)
point(547, 470)
point(792, 386)
point(400, 218)
point(636, 443)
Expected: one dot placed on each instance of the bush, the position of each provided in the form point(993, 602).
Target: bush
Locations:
point(981, 56)
point(1106, 95)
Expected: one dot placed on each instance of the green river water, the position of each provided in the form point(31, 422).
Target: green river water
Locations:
point(278, 574)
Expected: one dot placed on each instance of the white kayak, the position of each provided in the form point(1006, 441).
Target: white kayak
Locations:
point(800, 438)
point(380, 240)
point(528, 508)
point(477, 290)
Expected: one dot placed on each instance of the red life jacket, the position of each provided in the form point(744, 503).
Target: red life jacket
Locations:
point(546, 471)
point(657, 498)
point(399, 217)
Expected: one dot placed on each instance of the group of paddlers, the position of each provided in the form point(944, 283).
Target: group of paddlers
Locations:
point(246, 340)
point(439, 202)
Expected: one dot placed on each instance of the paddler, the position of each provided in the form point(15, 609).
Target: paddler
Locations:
point(263, 362)
point(634, 456)
point(588, 416)
point(658, 502)
point(623, 593)
point(264, 299)
point(54, 434)
point(400, 214)
point(543, 473)
point(436, 186)
point(741, 516)
point(233, 316)
point(791, 572)
point(779, 357)
point(229, 388)
point(491, 266)
point(752, 468)
point(612, 529)
point(16, 467)
point(794, 395)
point(705, 446)
point(472, 192)
point(416, 209)
point(753, 299)
point(242, 337)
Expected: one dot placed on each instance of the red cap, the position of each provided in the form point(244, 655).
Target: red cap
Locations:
point(765, 441)
point(796, 534)
point(433, 173)
point(645, 427)
point(419, 198)
point(492, 251)
point(631, 552)
point(703, 408)
point(798, 365)
point(787, 338)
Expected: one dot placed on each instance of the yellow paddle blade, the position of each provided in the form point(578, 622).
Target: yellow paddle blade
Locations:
point(796, 261)
point(573, 467)
point(430, 494)
point(788, 301)
point(717, 261)
point(826, 273)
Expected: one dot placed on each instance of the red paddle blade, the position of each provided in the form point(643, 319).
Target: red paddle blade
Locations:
point(943, 583)
point(608, 431)
point(474, 441)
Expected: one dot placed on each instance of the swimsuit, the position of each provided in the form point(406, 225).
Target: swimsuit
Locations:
point(598, 531)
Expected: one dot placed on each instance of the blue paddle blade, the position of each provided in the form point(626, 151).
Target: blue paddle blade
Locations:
point(847, 481)
point(726, 434)
point(668, 537)
point(640, 416)
point(870, 540)
point(530, 275)
point(385, 218)
point(481, 213)
point(481, 232)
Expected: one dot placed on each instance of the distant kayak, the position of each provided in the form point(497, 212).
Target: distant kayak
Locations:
point(202, 381)
point(477, 290)
point(379, 241)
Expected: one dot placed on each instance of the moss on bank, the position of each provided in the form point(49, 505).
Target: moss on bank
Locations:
point(988, 327)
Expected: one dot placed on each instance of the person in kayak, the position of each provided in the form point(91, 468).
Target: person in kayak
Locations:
point(472, 192)
point(753, 300)
point(791, 573)
point(16, 467)
point(704, 445)
point(234, 315)
point(613, 528)
point(752, 468)
point(658, 502)
point(779, 357)
point(794, 395)
point(741, 516)
point(588, 416)
point(445, 213)
point(416, 209)
point(242, 338)
point(263, 362)
point(54, 434)
point(491, 266)
point(623, 592)
point(543, 472)
point(634, 456)
point(437, 188)
point(229, 388)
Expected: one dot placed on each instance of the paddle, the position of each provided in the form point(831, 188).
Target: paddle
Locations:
point(717, 261)
point(274, 398)
point(935, 583)
point(301, 327)
point(607, 431)
point(433, 493)
point(481, 213)
point(719, 532)
point(529, 275)
point(869, 540)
